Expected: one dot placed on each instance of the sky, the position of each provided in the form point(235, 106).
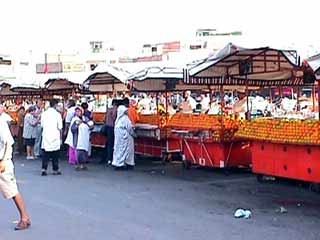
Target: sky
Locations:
point(68, 25)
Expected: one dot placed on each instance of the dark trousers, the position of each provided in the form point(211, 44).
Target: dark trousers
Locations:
point(54, 156)
point(21, 146)
point(110, 143)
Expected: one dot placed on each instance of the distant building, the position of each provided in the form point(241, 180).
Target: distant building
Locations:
point(207, 32)
point(96, 46)
point(4, 60)
point(211, 39)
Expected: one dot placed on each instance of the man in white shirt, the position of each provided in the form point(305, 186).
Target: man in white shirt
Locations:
point(190, 100)
point(205, 102)
point(51, 123)
point(8, 184)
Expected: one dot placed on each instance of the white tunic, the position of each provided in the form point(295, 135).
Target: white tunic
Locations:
point(69, 139)
point(123, 139)
point(83, 142)
point(51, 123)
point(192, 102)
point(83, 137)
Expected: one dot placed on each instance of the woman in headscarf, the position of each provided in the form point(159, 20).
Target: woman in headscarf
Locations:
point(78, 139)
point(123, 154)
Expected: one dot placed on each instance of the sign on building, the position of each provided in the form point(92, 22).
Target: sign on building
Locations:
point(49, 68)
point(5, 62)
point(73, 67)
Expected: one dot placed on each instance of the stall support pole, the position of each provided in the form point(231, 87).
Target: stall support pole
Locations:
point(222, 113)
point(248, 114)
point(157, 107)
point(298, 102)
point(313, 98)
point(319, 98)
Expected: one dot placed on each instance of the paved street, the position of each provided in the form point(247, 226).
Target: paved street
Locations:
point(158, 202)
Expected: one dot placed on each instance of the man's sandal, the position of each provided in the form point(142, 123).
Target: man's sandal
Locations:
point(23, 225)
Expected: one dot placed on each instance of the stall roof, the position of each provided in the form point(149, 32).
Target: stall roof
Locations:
point(107, 78)
point(161, 78)
point(26, 89)
point(314, 63)
point(158, 72)
point(232, 65)
point(5, 89)
point(72, 77)
point(62, 82)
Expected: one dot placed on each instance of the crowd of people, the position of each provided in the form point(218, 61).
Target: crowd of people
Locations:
point(46, 127)
point(44, 130)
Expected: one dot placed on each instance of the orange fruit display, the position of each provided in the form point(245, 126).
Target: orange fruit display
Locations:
point(281, 131)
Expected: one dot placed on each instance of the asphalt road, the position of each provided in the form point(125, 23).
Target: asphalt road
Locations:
point(158, 202)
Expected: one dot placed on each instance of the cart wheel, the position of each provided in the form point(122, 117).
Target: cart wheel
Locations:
point(186, 164)
point(260, 178)
point(314, 187)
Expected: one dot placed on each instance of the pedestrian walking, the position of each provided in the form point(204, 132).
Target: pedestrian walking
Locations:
point(8, 184)
point(51, 122)
point(123, 155)
point(37, 145)
point(111, 117)
point(30, 131)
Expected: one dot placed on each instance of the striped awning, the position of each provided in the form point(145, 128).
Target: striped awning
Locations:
point(234, 65)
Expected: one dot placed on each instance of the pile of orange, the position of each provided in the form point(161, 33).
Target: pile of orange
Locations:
point(202, 121)
point(220, 127)
point(152, 119)
point(282, 131)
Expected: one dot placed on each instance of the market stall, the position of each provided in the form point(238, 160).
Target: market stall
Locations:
point(284, 148)
point(153, 135)
point(104, 80)
point(207, 140)
point(279, 147)
point(61, 84)
point(313, 73)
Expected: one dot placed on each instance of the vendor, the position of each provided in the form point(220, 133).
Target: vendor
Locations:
point(215, 108)
point(190, 100)
point(145, 104)
point(205, 102)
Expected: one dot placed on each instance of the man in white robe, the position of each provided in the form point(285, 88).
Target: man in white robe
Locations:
point(123, 154)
